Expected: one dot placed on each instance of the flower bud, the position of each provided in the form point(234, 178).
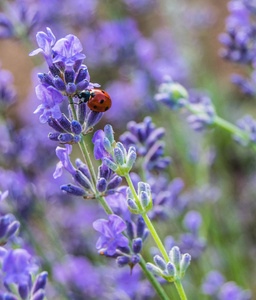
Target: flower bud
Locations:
point(45, 78)
point(108, 130)
point(82, 179)
point(59, 83)
point(82, 85)
point(55, 125)
point(123, 260)
point(107, 145)
point(137, 245)
point(54, 136)
point(130, 229)
point(140, 227)
point(119, 156)
point(101, 185)
point(109, 163)
point(185, 262)
point(175, 257)
point(144, 199)
point(65, 138)
point(76, 128)
point(40, 282)
point(39, 295)
point(81, 75)
point(135, 259)
point(114, 182)
point(155, 270)
point(23, 290)
point(171, 270)
point(73, 190)
point(132, 205)
point(81, 112)
point(131, 159)
point(92, 119)
point(159, 261)
point(69, 76)
point(71, 88)
point(65, 123)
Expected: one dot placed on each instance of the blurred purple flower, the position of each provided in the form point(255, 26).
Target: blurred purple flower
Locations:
point(17, 266)
point(193, 221)
point(212, 283)
point(111, 231)
point(230, 291)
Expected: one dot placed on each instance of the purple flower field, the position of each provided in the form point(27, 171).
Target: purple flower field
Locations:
point(127, 150)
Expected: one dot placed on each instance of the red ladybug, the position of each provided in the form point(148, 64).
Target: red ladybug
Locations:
point(99, 101)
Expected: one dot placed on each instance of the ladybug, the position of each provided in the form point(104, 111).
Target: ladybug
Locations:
point(97, 100)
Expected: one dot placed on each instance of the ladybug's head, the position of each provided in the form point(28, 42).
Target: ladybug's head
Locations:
point(84, 96)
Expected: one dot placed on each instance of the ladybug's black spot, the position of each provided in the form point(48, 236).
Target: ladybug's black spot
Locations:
point(101, 101)
point(95, 106)
point(103, 92)
point(106, 108)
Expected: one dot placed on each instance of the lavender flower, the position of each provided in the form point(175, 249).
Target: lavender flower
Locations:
point(146, 138)
point(248, 125)
point(8, 227)
point(19, 19)
point(172, 270)
point(112, 236)
point(212, 283)
point(51, 98)
point(215, 286)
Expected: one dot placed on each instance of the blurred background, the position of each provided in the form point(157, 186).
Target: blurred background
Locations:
point(130, 46)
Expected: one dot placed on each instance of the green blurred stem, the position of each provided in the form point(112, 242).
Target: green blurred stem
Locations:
point(180, 289)
point(222, 123)
point(151, 278)
point(160, 291)
point(155, 236)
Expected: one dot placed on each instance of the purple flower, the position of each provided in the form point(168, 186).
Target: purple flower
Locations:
point(239, 14)
point(146, 138)
point(45, 43)
point(51, 98)
point(230, 291)
point(111, 231)
point(63, 155)
point(68, 50)
point(212, 283)
point(193, 221)
point(248, 125)
point(17, 266)
point(99, 149)
point(70, 271)
point(118, 202)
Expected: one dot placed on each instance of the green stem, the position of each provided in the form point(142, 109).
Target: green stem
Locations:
point(151, 278)
point(156, 237)
point(72, 106)
point(180, 289)
point(88, 161)
point(231, 128)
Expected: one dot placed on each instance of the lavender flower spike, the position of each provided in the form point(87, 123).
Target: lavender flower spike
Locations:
point(174, 269)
